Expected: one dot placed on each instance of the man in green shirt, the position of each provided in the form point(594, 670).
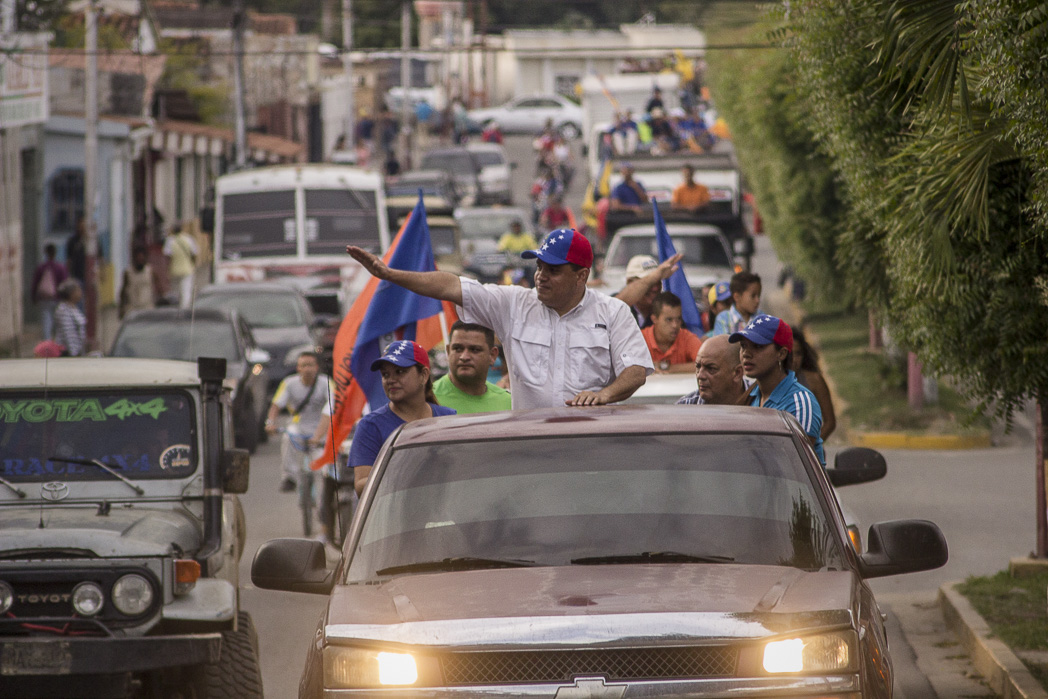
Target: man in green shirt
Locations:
point(471, 352)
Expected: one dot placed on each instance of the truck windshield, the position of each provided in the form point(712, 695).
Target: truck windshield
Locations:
point(698, 250)
point(258, 224)
point(339, 217)
point(140, 435)
point(558, 499)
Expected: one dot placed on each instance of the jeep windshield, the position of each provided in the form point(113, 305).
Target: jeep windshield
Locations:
point(613, 499)
point(139, 435)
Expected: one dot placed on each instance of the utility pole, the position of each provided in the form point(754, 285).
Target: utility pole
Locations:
point(239, 20)
point(91, 300)
point(347, 62)
point(405, 84)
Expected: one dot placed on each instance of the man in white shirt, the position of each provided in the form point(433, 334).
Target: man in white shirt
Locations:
point(565, 344)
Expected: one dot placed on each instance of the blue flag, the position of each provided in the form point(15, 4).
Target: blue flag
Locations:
point(394, 308)
point(677, 283)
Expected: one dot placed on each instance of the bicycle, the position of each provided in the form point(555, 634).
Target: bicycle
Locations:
point(305, 479)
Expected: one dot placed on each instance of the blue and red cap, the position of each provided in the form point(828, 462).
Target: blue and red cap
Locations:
point(765, 330)
point(562, 246)
point(402, 353)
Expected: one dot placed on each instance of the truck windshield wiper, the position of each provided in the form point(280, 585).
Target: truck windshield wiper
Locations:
point(105, 467)
point(652, 557)
point(18, 491)
point(456, 563)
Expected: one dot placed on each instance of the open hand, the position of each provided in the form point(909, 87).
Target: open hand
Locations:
point(372, 263)
point(671, 265)
point(584, 398)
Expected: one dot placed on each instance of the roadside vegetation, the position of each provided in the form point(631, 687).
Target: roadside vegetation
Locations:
point(1015, 610)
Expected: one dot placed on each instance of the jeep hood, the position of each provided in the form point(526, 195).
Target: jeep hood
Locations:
point(593, 605)
point(81, 531)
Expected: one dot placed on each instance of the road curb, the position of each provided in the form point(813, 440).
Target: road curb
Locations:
point(902, 440)
point(1004, 673)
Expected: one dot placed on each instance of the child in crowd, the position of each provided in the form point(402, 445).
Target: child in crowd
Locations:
point(746, 297)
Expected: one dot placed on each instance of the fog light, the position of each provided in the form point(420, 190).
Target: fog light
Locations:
point(7, 597)
point(132, 594)
point(88, 599)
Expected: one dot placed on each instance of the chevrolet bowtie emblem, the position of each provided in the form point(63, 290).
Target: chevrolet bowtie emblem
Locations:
point(591, 688)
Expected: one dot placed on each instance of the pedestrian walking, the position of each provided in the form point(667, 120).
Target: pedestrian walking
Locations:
point(566, 344)
point(47, 277)
point(181, 251)
point(76, 253)
point(471, 353)
point(407, 384)
point(138, 291)
point(766, 351)
point(70, 321)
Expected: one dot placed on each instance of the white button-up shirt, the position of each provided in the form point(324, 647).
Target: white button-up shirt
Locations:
point(551, 357)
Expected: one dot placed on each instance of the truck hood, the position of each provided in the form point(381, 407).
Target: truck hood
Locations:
point(592, 605)
point(121, 533)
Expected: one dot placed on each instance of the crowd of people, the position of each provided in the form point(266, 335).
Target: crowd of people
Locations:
point(566, 344)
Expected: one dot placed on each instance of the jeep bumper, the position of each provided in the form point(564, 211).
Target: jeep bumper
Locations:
point(93, 656)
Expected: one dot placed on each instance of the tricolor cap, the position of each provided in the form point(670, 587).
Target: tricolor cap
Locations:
point(765, 330)
point(402, 353)
point(721, 291)
point(562, 246)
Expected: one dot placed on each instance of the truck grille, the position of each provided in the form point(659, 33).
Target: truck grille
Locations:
point(618, 664)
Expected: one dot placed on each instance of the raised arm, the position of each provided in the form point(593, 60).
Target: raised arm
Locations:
point(638, 288)
point(438, 285)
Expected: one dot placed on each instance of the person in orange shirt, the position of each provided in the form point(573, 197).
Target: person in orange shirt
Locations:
point(673, 347)
point(689, 194)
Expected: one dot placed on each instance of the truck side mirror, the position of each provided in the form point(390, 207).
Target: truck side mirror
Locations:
point(236, 466)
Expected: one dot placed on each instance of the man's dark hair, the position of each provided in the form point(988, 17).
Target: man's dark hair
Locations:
point(665, 298)
point(489, 334)
point(50, 250)
point(308, 353)
point(740, 281)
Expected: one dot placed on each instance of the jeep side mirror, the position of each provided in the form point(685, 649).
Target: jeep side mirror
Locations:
point(236, 466)
point(856, 465)
point(292, 565)
point(903, 546)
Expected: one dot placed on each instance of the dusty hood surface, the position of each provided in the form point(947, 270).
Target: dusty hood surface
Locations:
point(591, 604)
point(122, 532)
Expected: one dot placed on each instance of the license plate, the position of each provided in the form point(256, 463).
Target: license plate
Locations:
point(36, 658)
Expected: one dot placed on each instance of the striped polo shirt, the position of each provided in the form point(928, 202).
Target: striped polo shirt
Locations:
point(791, 397)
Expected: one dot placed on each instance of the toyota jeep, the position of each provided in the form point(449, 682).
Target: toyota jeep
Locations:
point(121, 532)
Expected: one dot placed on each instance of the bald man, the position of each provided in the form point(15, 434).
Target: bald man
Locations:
point(718, 372)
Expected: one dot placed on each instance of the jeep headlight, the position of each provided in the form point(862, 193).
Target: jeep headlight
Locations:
point(132, 594)
point(346, 667)
point(831, 652)
point(7, 597)
point(88, 599)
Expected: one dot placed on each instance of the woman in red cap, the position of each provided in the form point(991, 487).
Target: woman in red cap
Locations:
point(407, 383)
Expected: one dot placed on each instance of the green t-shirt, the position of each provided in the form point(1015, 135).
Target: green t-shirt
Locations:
point(448, 394)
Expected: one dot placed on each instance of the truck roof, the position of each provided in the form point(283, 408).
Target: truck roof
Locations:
point(95, 372)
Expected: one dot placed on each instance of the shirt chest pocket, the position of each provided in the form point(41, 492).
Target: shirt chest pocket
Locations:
point(529, 355)
point(589, 359)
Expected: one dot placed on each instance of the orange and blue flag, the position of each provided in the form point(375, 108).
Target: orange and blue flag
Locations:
point(381, 310)
point(677, 283)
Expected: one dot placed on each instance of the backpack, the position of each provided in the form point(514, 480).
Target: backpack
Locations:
point(46, 288)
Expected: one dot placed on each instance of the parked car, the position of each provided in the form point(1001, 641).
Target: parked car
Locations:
point(496, 185)
point(440, 194)
point(281, 319)
point(707, 254)
point(186, 334)
point(529, 115)
point(123, 533)
point(612, 551)
point(464, 168)
point(481, 228)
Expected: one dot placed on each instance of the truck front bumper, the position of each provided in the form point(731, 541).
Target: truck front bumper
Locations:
point(94, 656)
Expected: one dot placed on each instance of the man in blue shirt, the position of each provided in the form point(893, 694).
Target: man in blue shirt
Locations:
point(766, 351)
point(628, 194)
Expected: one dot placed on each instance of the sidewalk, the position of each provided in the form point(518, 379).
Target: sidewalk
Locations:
point(31, 335)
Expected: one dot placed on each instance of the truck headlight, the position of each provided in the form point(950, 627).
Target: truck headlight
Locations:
point(7, 597)
point(132, 594)
point(88, 599)
point(346, 668)
point(831, 652)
